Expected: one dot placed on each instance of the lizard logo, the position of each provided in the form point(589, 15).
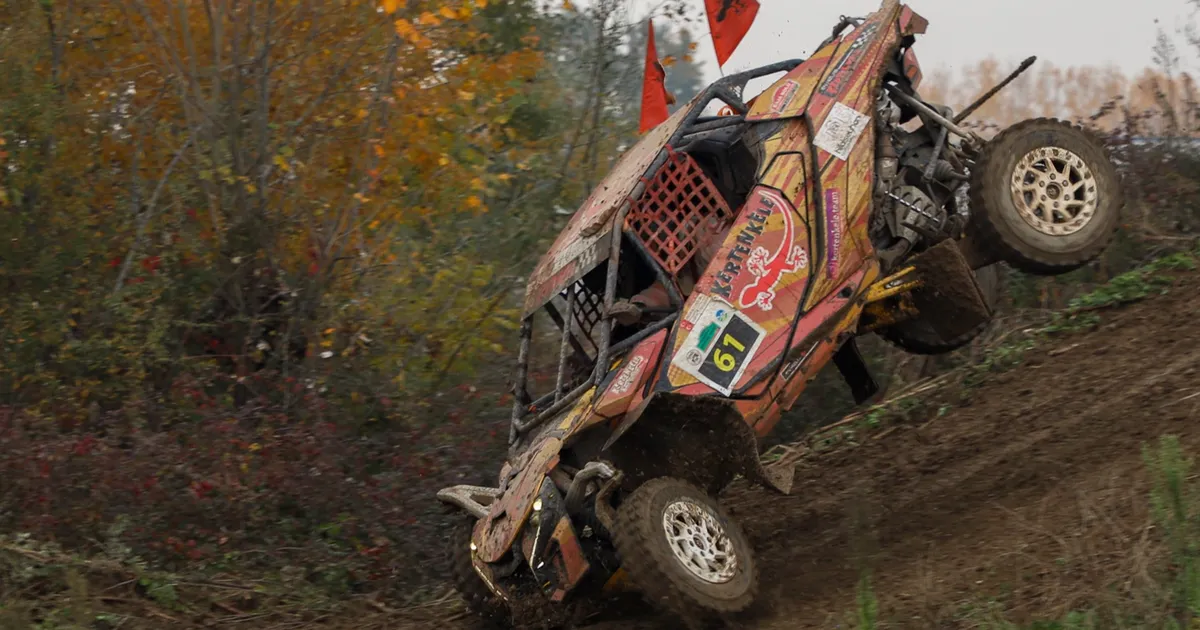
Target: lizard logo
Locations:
point(769, 267)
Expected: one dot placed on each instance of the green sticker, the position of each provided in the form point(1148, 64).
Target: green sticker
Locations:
point(707, 335)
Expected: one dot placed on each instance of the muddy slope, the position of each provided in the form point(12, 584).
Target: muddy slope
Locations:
point(1029, 489)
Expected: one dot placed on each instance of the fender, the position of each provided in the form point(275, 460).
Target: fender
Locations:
point(702, 439)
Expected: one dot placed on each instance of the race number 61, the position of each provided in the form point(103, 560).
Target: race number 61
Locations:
point(726, 358)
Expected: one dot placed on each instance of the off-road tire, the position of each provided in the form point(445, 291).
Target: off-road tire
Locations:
point(652, 567)
point(997, 224)
point(492, 611)
point(918, 336)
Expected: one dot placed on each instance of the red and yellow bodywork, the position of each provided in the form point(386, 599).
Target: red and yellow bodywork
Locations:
point(785, 290)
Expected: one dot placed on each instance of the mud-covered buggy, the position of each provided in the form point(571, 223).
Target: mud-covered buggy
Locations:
point(704, 283)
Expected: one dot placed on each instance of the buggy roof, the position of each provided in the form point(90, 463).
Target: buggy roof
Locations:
point(584, 243)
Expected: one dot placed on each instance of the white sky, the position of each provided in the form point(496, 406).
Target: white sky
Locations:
point(1064, 32)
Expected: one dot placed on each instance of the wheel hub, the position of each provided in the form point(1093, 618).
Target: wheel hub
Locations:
point(699, 541)
point(1054, 190)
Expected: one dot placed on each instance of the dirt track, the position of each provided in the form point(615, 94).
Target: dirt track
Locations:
point(1030, 489)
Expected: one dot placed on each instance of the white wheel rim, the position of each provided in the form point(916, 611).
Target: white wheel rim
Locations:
point(1054, 191)
point(699, 541)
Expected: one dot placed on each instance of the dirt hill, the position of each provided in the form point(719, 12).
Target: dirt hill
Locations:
point(1024, 493)
point(1012, 491)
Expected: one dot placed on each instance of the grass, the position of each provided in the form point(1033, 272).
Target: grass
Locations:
point(45, 588)
point(1172, 603)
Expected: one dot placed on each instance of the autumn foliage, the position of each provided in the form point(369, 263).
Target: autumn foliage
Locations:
point(261, 259)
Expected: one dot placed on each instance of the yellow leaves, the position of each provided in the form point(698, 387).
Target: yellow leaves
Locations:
point(281, 163)
point(481, 4)
point(443, 160)
point(429, 19)
point(567, 5)
point(379, 152)
point(255, 446)
point(447, 13)
point(405, 29)
point(373, 225)
point(390, 6)
point(477, 184)
point(464, 95)
point(474, 202)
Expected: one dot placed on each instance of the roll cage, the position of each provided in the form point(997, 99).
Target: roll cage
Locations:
point(586, 337)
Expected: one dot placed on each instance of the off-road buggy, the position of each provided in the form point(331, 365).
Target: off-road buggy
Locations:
point(836, 203)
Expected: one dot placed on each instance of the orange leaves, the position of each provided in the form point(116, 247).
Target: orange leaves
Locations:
point(390, 6)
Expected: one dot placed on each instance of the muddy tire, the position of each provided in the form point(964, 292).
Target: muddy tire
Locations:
point(707, 568)
point(1045, 197)
point(918, 336)
point(491, 610)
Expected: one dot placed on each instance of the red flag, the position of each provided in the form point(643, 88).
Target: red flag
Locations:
point(728, 20)
point(654, 88)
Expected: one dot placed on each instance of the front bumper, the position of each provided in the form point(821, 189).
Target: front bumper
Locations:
point(473, 499)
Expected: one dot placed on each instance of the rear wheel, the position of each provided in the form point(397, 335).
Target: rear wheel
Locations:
point(1044, 197)
point(683, 551)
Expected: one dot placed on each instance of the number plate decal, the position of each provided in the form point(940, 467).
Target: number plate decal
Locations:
point(720, 346)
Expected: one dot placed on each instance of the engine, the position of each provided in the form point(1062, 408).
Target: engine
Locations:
point(910, 196)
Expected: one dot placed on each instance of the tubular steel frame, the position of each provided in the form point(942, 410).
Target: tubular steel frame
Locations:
point(693, 124)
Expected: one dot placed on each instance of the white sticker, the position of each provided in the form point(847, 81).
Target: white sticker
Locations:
point(841, 130)
point(720, 346)
point(575, 251)
point(697, 310)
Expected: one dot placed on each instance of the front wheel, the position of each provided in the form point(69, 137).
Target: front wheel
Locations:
point(683, 551)
point(491, 610)
point(1044, 197)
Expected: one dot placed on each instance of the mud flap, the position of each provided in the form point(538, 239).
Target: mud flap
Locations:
point(854, 370)
point(949, 297)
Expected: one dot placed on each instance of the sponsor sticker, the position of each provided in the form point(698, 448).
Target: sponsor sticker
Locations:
point(699, 305)
point(790, 369)
point(783, 96)
point(767, 266)
point(841, 130)
point(720, 346)
point(628, 375)
point(833, 228)
point(839, 77)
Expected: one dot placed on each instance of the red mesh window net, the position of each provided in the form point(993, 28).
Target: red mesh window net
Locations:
point(680, 209)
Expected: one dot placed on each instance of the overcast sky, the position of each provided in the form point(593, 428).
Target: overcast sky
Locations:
point(1065, 32)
